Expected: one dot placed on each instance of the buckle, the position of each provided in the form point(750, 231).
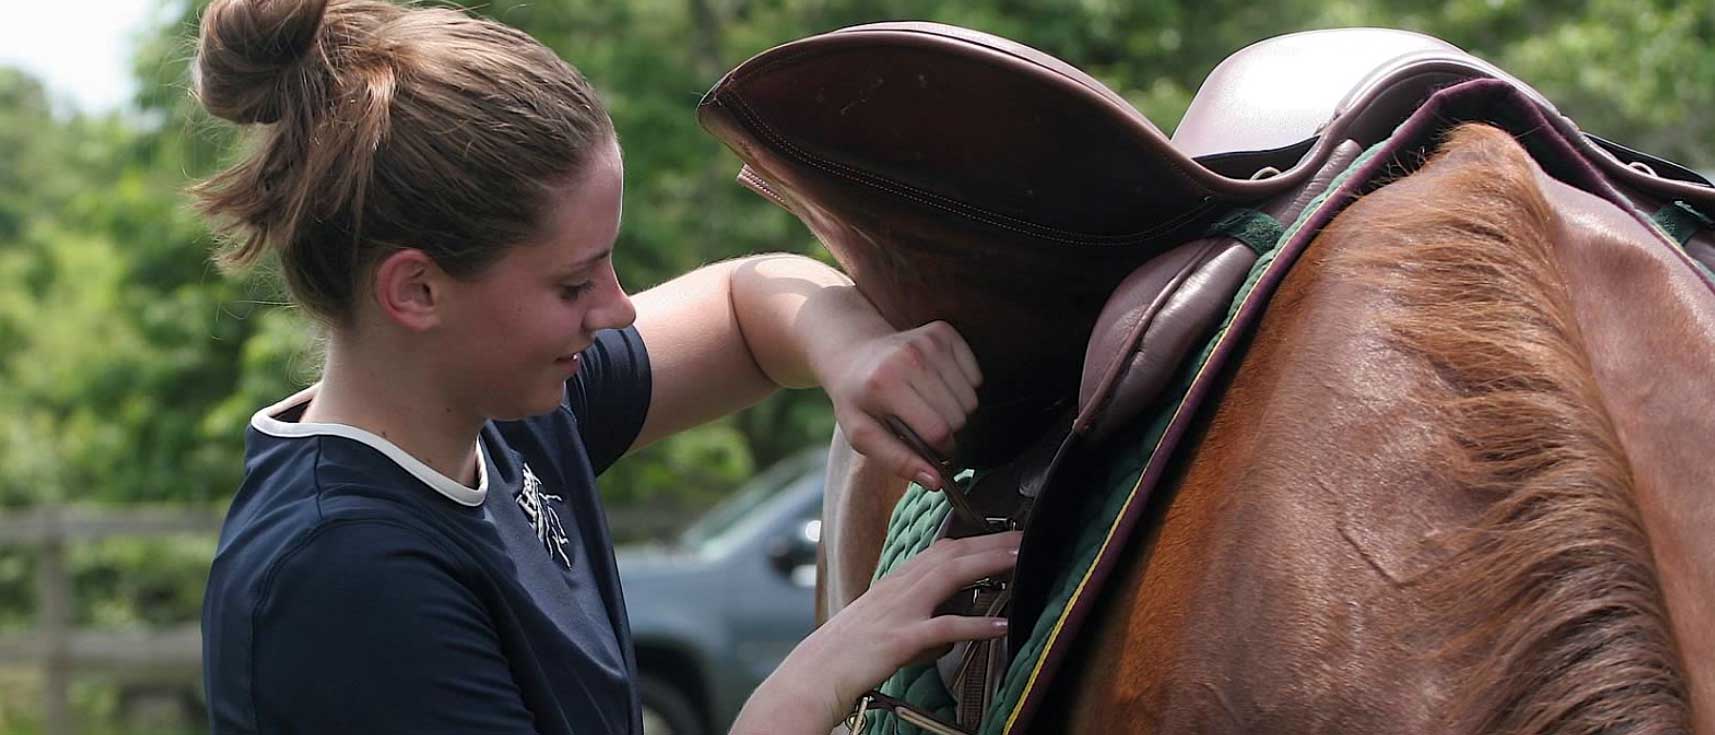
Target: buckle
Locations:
point(858, 720)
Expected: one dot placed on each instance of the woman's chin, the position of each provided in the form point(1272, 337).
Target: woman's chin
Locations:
point(525, 407)
point(546, 404)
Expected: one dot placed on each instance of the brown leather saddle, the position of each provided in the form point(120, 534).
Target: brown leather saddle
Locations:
point(1083, 254)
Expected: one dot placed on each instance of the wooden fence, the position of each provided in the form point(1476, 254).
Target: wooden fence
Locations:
point(60, 651)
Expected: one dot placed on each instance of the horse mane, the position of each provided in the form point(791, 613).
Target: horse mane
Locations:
point(1554, 611)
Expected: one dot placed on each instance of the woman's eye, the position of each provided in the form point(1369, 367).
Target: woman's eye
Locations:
point(571, 292)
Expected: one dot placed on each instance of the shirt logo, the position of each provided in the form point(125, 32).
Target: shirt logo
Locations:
point(542, 517)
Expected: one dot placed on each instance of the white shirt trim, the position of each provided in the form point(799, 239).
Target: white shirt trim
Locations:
point(456, 491)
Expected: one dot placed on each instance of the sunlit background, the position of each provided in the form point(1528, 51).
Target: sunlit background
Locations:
point(82, 52)
point(128, 365)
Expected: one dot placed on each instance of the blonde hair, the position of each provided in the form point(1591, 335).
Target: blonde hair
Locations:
point(383, 127)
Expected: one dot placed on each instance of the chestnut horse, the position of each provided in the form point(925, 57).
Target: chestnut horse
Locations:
point(1460, 482)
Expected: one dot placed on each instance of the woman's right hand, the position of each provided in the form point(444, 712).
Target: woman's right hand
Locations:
point(888, 626)
point(926, 378)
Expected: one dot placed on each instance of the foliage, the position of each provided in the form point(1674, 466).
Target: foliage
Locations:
point(129, 366)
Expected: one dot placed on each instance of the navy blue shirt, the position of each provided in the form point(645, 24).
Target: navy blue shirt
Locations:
point(357, 590)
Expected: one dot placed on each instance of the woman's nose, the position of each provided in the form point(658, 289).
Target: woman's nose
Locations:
point(614, 309)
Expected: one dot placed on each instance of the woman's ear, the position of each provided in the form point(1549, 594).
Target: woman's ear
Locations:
point(409, 289)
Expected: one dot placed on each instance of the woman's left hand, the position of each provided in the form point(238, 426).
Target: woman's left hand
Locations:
point(926, 377)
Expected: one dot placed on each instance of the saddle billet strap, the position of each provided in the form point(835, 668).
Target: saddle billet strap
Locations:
point(950, 486)
point(858, 722)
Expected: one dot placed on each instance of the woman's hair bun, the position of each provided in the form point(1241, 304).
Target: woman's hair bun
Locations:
point(248, 48)
point(390, 126)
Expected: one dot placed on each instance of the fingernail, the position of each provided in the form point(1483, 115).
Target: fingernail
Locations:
point(1013, 551)
point(926, 480)
point(999, 623)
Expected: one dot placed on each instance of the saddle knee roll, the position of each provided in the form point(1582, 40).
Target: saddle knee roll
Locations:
point(1153, 321)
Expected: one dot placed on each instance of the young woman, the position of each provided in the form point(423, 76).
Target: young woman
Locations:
point(417, 546)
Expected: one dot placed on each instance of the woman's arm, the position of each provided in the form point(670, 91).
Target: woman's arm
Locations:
point(723, 337)
point(727, 335)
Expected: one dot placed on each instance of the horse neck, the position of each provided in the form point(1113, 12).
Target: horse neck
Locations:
point(1315, 568)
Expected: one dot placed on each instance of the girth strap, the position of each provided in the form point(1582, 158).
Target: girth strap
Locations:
point(976, 669)
point(859, 720)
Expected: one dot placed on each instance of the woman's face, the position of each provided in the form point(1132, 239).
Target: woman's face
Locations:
point(524, 319)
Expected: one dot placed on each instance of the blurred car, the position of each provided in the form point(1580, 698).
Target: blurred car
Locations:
point(715, 611)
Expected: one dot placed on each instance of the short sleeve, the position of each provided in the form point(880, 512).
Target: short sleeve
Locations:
point(609, 395)
point(367, 630)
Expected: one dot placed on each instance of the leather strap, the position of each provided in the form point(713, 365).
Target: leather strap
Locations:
point(949, 486)
point(976, 675)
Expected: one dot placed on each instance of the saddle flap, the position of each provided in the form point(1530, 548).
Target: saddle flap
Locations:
point(963, 177)
point(960, 177)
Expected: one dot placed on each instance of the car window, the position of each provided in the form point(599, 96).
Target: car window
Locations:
point(734, 519)
point(756, 516)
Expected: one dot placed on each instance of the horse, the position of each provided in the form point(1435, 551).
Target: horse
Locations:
point(1452, 481)
point(1439, 494)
